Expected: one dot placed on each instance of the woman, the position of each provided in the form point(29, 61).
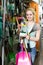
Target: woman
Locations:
point(33, 32)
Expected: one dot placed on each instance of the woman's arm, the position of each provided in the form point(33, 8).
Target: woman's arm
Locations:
point(36, 38)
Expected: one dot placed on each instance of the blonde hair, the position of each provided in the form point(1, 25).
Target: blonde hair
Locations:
point(33, 11)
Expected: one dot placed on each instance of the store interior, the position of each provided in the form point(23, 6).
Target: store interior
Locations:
point(11, 12)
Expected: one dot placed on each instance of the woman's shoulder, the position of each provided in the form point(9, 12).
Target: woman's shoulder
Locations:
point(37, 26)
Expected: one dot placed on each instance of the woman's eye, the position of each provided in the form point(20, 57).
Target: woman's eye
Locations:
point(30, 14)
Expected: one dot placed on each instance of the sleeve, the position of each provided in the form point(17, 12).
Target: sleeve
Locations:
point(37, 27)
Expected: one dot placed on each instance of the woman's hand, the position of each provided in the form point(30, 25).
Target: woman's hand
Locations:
point(27, 36)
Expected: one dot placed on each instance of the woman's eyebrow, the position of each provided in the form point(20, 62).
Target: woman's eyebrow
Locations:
point(28, 14)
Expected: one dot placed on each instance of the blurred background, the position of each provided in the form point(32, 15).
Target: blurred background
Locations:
point(11, 12)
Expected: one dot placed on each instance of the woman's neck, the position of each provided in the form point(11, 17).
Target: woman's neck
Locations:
point(30, 21)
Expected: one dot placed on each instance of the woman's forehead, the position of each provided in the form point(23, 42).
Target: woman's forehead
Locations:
point(29, 11)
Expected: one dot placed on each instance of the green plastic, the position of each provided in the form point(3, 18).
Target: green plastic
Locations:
point(11, 57)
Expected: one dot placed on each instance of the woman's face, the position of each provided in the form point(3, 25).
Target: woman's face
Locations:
point(29, 15)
